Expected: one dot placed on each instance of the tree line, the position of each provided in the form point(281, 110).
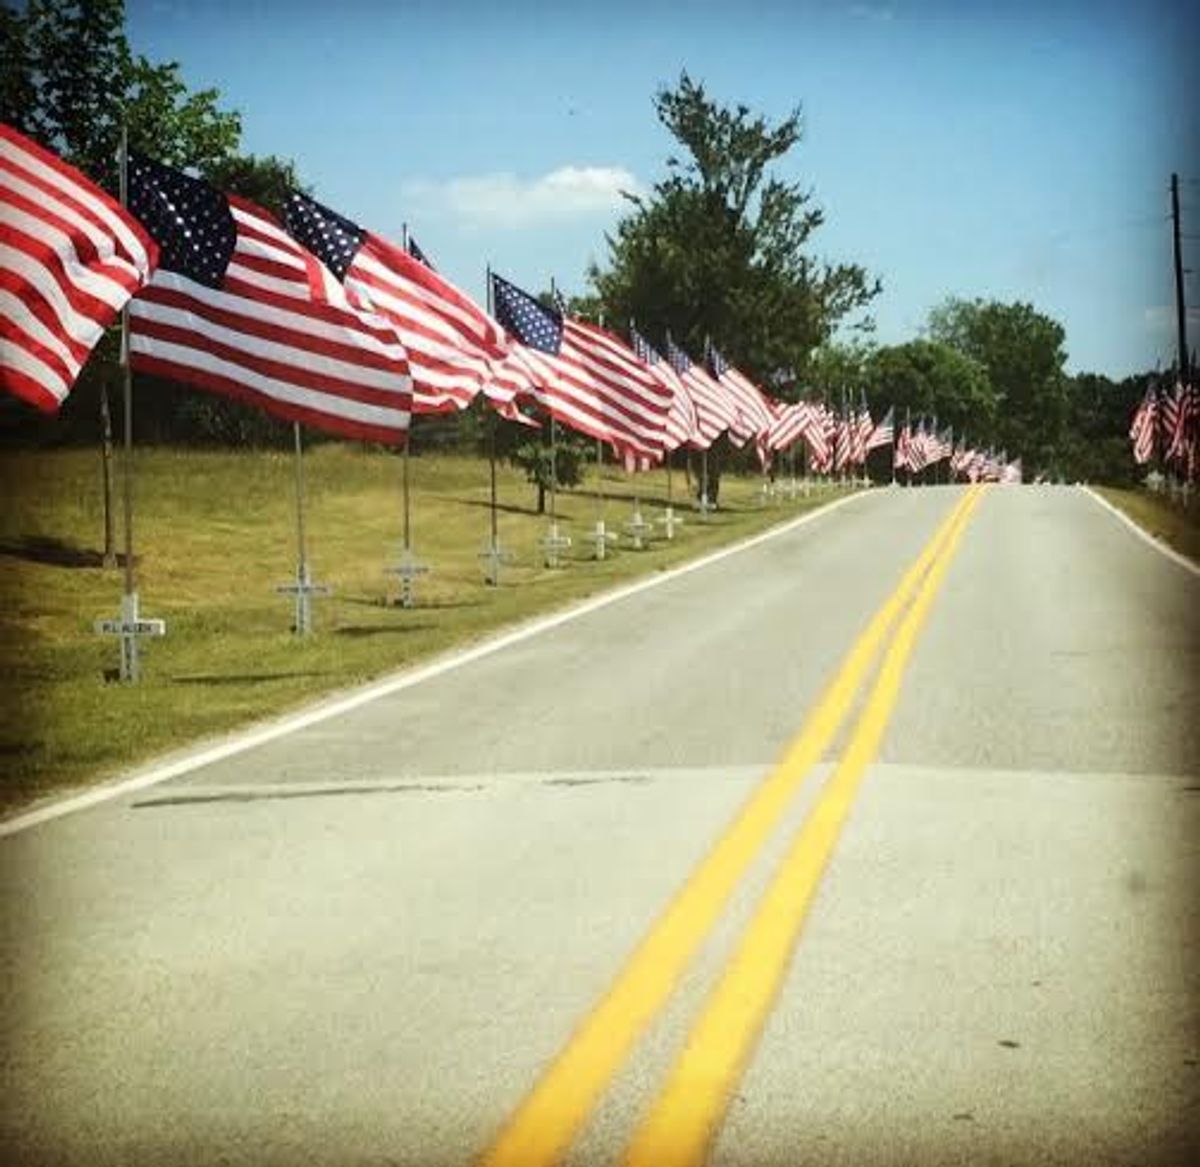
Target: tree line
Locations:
point(720, 248)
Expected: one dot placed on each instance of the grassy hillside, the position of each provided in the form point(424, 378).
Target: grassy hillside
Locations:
point(216, 532)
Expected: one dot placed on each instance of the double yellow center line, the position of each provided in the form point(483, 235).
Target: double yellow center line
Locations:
point(690, 1108)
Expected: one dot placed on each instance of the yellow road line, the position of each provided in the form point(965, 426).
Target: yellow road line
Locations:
point(544, 1125)
point(681, 1124)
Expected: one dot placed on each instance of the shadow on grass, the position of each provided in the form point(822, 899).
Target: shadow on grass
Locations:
point(364, 630)
point(504, 507)
point(242, 678)
point(393, 605)
point(55, 552)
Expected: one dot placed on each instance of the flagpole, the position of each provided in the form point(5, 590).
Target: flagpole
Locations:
point(129, 626)
point(492, 554)
point(303, 611)
point(601, 534)
point(407, 443)
point(553, 456)
point(130, 656)
point(893, 443)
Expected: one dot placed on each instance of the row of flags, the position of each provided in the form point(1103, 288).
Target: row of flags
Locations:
point(316, 319)
point(924, 445)
point(1166, 427)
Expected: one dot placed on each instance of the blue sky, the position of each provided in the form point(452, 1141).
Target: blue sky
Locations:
point(1018, 151)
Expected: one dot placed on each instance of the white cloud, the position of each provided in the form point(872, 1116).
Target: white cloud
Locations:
point(507, 201)
point(880, 12)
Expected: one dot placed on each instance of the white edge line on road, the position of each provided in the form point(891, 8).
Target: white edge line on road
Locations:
point(249, 739)
point(1170, 552)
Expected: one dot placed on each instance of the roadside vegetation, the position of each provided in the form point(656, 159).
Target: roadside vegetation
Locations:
point(1174, 522)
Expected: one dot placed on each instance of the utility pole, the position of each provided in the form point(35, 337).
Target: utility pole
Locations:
point(1180, 311)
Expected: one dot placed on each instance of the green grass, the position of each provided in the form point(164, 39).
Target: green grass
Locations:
point(1175, 524)
point(216, 532)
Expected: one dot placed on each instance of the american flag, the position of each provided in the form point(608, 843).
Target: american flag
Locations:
point(902, 451)
point(884, 432)
point(861, 434)
point(239, 308)
point(449, 339)
point(586, 377)
point(791, 423)
point(715, 411)
point(960, 457)
point(822, 438)
point(683, 424)
point(70, 258)
point(1179, 416)
point(843, 438)
point(1144, 427)
point(754, 416)
point(941, 444)
point(918, 448)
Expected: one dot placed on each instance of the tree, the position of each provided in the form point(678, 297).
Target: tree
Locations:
point(77, 82)
point(1095, 445)
point(929, 378)
point(18, 91)
point(719, 248)
point(1022, 352)
point(833, 368)
point(266, 179)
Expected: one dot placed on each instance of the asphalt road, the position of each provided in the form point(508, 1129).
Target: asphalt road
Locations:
point(368, 940)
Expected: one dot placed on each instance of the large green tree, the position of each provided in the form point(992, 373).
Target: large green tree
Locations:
point(720, 247)
point(1022, 352)
point(926, 377)
point(70, 79)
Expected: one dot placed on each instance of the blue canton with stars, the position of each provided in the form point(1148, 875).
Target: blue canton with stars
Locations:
point(331, 237)
point(644, 350)
point(189, 220)
point(533, 325)
point(680, 361)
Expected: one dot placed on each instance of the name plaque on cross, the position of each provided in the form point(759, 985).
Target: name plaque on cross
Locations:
point(129, 627)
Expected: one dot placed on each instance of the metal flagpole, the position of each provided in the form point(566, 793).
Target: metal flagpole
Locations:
point(303, 609)
point(893, 444)
point(407, 568)
point(491, 553)
point(553, 543)
point(303, 588)
point(404, 452)
point(553, 452)
point(600, 536)
point(129, 625)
